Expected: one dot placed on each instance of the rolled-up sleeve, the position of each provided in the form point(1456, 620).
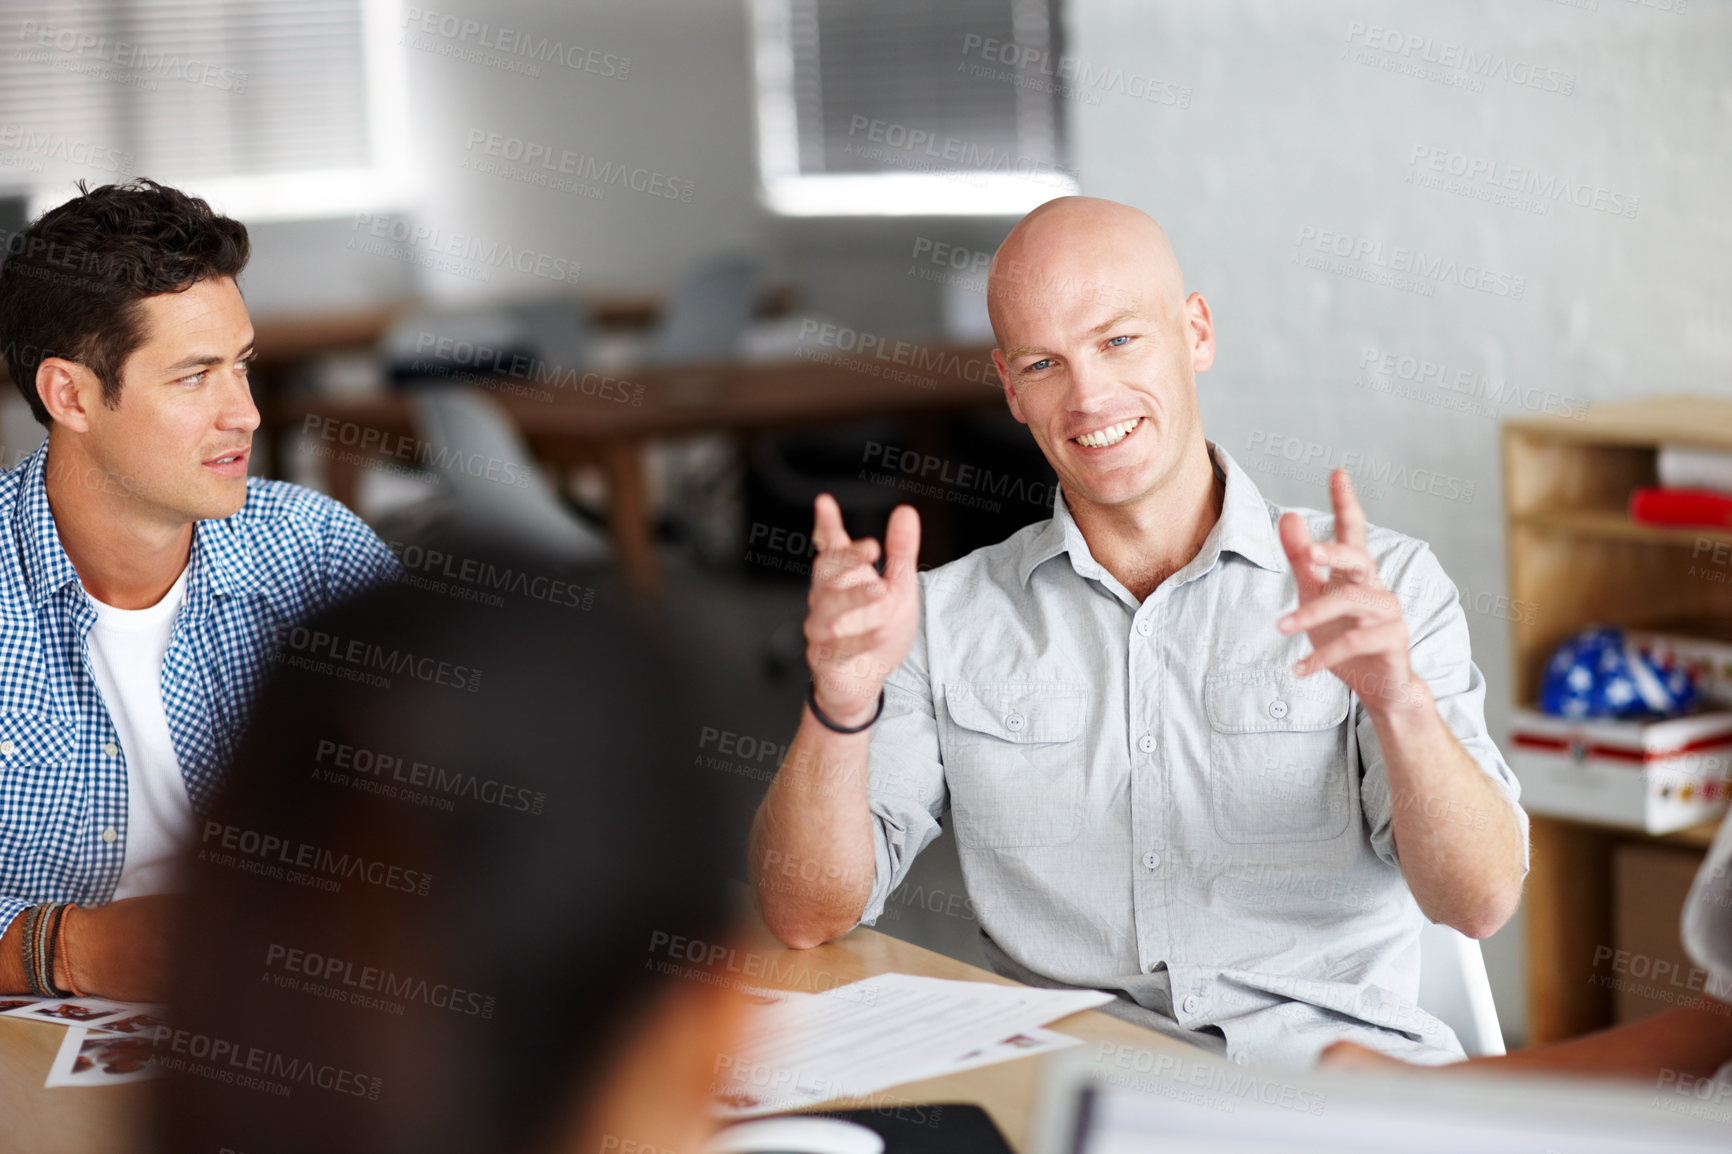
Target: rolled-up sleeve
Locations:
point(10, 908)
point(905, 789)
point(1441, 655)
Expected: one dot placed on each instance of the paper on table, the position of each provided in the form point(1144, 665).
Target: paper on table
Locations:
point(1023, 1045)
point(93, 1058)
point(79, 1011)
point(885, 1030)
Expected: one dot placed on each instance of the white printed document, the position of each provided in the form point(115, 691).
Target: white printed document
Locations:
point(856, 1039)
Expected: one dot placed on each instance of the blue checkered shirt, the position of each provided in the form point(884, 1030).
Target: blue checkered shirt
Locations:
point(288, 553)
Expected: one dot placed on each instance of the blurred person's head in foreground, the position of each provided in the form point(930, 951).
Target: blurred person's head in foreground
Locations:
point(424, 914)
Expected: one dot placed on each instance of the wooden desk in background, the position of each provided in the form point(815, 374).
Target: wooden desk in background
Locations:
point(34, 1120)
point(607, 420)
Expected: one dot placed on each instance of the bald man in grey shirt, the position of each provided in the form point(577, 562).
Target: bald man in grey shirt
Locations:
point(1215, 756)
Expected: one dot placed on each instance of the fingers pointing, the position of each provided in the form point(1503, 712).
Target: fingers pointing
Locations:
point(827, 529)
point(1296, 540)
point(902, 546)
point(1349, 516)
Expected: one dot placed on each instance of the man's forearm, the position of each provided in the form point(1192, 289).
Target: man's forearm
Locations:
point(12, 979)
point(812, 855)
point(1457, 835)
point(1695, 1040)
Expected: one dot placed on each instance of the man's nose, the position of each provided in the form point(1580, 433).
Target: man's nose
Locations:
point(1090, 387)
point(238, 410)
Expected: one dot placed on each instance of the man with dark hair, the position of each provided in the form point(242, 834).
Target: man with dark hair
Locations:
point(143, 575)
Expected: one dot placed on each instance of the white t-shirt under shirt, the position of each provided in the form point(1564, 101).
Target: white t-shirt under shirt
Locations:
point(127, 647)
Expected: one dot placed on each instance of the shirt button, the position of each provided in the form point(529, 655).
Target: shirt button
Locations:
point(1241, 1057)
point(109, 834)
point(7, 749)
point(1152, 860)
point(1146, 743)
point(1144, 627)
point(109, 749)
point(1277, 709)
point(1192, 1004)
point(1014, 722)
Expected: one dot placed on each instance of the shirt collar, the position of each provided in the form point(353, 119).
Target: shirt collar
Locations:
point(221, 562)
point(1245, 527)
point(46, 565)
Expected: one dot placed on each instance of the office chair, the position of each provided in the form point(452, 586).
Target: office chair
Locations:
point(462, 426)
point(707, 315)
point(1454, 989)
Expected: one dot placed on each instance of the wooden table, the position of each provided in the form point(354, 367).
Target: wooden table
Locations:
point(607, 420)
point(34, 1120)
point(66, 1119)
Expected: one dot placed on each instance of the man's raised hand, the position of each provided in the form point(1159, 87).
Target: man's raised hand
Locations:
point(1355, 624)
point(859, 623)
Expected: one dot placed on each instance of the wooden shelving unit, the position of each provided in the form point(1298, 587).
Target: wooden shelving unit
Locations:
point(1576, 558)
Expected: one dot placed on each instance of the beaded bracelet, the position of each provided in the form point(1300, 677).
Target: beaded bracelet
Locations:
point(60, 952)
point(41, 934)
point(32, 915)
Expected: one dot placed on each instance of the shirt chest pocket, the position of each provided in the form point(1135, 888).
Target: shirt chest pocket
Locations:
point(1014, 761)
point(1278, 758)
point(35, 749)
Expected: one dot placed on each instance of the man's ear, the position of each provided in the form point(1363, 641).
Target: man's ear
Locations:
point(69, 391)
point(1003, 367)
point(1202, 327)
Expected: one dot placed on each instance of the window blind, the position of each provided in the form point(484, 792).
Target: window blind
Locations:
point(911, 97)
point(178, 89)
point(915, 66)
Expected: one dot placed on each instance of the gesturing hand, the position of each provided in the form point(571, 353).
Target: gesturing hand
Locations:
point(859, 624)
point(1355, 625)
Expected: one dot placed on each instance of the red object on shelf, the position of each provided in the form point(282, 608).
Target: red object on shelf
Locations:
point(1702, 508)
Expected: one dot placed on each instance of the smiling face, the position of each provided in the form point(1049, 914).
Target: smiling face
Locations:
point(1099, 348)
point(179, 440)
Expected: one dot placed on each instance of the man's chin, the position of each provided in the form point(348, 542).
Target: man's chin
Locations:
point(1110, 489)
point(223, 503)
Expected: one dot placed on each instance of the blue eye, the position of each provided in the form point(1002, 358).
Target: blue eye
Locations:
point(196, 378)
point(1116, 342)
point(1039, 365)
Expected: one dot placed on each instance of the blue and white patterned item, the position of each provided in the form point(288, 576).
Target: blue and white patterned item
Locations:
point(1601, 673)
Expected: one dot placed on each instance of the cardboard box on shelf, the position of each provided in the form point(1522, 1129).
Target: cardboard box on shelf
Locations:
point(1657, 776)
point(1647, 967)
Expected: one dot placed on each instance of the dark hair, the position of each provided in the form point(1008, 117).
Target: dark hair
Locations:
point(504, 859)
point(71, 283)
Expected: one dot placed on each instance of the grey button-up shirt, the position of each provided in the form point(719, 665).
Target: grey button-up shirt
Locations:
point(1147, 800)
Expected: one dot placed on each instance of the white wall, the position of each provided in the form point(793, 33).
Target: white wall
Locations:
point(683, 111)
point(1288, 130)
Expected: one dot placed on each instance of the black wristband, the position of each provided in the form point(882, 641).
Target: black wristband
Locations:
point(812, 702)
